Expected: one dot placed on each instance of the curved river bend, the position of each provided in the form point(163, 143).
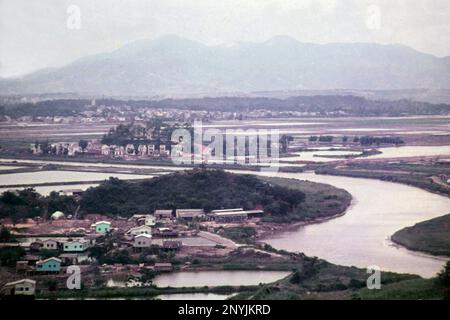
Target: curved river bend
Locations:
point(361, 236)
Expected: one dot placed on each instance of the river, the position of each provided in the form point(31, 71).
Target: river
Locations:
point(361, 237)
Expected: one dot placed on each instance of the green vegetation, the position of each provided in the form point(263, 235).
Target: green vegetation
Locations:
point(239, 234)
point(314, 278)
point(243, 258)
point(321, 138)
point(417, 175)
point(207, 189)
point(370, 140)
point(6, 235)
point(414, 289)
point(83, 144)
point(10, 255)
point(139, 292)
point(432, 236)
point(321, 104)
point(156, 131)
point(321, 200)
point(22, 204)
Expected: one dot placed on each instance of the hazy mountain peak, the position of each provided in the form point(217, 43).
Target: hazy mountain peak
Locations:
point(174, 65)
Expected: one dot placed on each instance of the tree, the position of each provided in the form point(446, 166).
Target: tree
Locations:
point(284, 140)
point(444, 276)
point(83, 144)
point(443, 279)
point(344, 139)
point(9, 256)
point(5, 235)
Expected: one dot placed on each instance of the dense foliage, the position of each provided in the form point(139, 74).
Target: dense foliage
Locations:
point(156, 131)
point(320, 104)
point(27, 203)
point(370, 140)
point(9, 256)
point(206, 189)
point(6, 235)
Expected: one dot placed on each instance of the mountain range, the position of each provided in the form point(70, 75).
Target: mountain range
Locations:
point(173, 65)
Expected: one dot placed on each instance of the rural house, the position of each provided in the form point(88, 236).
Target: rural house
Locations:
point(102, 227)
point(144, 219)
point(140, 230)
point(49, 265)
point(50, 244)
point(75, 245)
point(24, 287)
point(142, 241)
point(189, 214)
point(163, 214)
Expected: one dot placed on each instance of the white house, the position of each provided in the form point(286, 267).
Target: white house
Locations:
point(36, 149)
point(106, 150)
point(146, 219)
point(140, 230)
point(73, 149)
point(50, 244)
point(24, 287)
point(142, 150)
point(130, 149)
point(150, 220)
point(142, 241)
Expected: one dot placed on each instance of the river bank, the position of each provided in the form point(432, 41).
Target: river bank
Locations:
point(432, 236)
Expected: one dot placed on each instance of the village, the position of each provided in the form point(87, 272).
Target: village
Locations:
point(128, 247)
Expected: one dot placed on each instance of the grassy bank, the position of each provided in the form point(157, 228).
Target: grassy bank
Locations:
point(318, 279)
point(321, 200)
point(413, 289)
point(416, 175)
point(138, 292)
point(432, 236)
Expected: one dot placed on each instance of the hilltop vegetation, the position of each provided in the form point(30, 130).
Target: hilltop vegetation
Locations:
point(432, 236)
point(27, 203)
point(206, 189)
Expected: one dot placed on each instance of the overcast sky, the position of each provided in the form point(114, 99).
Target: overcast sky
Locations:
point(39, 34)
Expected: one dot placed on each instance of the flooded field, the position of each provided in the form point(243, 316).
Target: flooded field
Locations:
point(30, 178)
point(46, 190)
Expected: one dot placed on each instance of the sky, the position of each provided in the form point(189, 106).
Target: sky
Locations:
point(52, 33)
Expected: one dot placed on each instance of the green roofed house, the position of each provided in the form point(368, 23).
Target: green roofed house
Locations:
point(75, 245)
point(49, 265)
point(102, 227)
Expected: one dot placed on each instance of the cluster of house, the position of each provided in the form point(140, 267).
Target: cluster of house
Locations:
point(70, 250)
point(94, 148)
point(70, 149)
point(141, 149)
point(139, 237)
point(221, 216)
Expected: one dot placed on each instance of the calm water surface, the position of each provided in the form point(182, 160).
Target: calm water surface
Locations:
point(361, 237)
point(61, 176)
point(217, 278)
